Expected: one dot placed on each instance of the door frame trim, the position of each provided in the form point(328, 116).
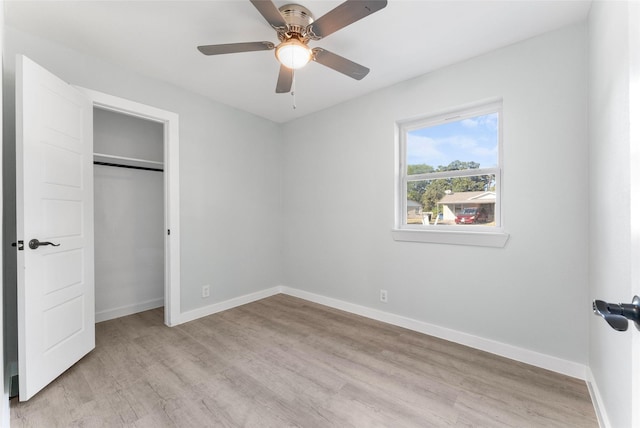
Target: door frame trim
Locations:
point(170, 122)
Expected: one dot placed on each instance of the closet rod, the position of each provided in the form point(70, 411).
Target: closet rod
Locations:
point(144, 168)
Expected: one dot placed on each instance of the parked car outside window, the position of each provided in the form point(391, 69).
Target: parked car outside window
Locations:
point(472, 216)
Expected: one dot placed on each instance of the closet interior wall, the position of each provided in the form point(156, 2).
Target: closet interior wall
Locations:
point(129, 215)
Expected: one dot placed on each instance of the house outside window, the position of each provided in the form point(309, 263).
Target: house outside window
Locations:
point(450, 171)
point(453, 205)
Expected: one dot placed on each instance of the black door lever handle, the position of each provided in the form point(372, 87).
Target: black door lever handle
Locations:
point(618, 314)
point(34, 244)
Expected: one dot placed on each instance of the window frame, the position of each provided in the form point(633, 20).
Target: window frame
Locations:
point(493, 236)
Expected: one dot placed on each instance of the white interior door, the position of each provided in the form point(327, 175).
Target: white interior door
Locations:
point(54, 155)
point(634, 140)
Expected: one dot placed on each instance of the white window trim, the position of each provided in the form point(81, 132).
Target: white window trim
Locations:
point(486, 236)
point(452, 237)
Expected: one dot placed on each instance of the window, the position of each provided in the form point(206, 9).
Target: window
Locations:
point(450, 173)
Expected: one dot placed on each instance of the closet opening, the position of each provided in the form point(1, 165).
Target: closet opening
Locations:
point(128, 214)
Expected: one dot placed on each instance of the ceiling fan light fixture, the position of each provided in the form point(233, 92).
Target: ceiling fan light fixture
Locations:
point(293, 53)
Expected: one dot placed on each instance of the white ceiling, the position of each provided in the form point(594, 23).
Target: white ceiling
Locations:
point(406, 39)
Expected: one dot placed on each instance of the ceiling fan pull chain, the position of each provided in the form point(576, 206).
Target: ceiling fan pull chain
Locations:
point(293, 87)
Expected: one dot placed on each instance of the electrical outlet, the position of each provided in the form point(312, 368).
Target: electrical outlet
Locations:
point(383, 296)
point(205, 291)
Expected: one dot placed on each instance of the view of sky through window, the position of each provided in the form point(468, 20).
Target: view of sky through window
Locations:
point(473, 139)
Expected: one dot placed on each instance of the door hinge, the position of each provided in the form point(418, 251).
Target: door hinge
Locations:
point(168, 231)
point(20, 245)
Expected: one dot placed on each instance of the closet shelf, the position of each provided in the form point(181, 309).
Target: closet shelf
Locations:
point(102, 158)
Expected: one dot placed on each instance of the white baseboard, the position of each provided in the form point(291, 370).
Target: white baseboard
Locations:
point(227, 304)
point(527, 356)
point(596, 399)
point(123, 311)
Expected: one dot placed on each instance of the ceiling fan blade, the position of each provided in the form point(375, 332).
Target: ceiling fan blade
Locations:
point(270, 12)
point(345, 14)
point(235, 48)
point(285, 80)
point(340, 64)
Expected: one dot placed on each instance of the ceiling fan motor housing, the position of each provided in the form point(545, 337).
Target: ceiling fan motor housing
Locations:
point(298, 18)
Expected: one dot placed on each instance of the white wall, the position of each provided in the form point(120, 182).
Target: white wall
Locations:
point(609, 230)
point(128, 217)
point(230, 183)
point(339, 187)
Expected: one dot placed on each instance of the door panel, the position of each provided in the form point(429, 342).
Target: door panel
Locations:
point(62, 167)
point(54, 152)
point(60, 270)
point(62, 218)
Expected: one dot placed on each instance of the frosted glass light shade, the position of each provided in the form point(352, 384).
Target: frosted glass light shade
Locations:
point(293, 54)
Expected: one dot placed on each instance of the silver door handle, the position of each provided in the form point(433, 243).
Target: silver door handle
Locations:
point(618, 314)
point(34, 244)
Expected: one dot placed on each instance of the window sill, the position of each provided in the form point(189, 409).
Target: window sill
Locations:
point(479, 239)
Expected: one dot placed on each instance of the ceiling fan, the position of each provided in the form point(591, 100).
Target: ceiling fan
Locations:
point(295, 27)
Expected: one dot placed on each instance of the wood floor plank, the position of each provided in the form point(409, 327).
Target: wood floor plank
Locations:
point(283, 361)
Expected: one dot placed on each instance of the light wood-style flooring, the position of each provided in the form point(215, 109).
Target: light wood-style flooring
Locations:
point(283, 362)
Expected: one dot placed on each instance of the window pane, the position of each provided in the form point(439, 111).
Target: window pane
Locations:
point(452, 201)
point(456, 145)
